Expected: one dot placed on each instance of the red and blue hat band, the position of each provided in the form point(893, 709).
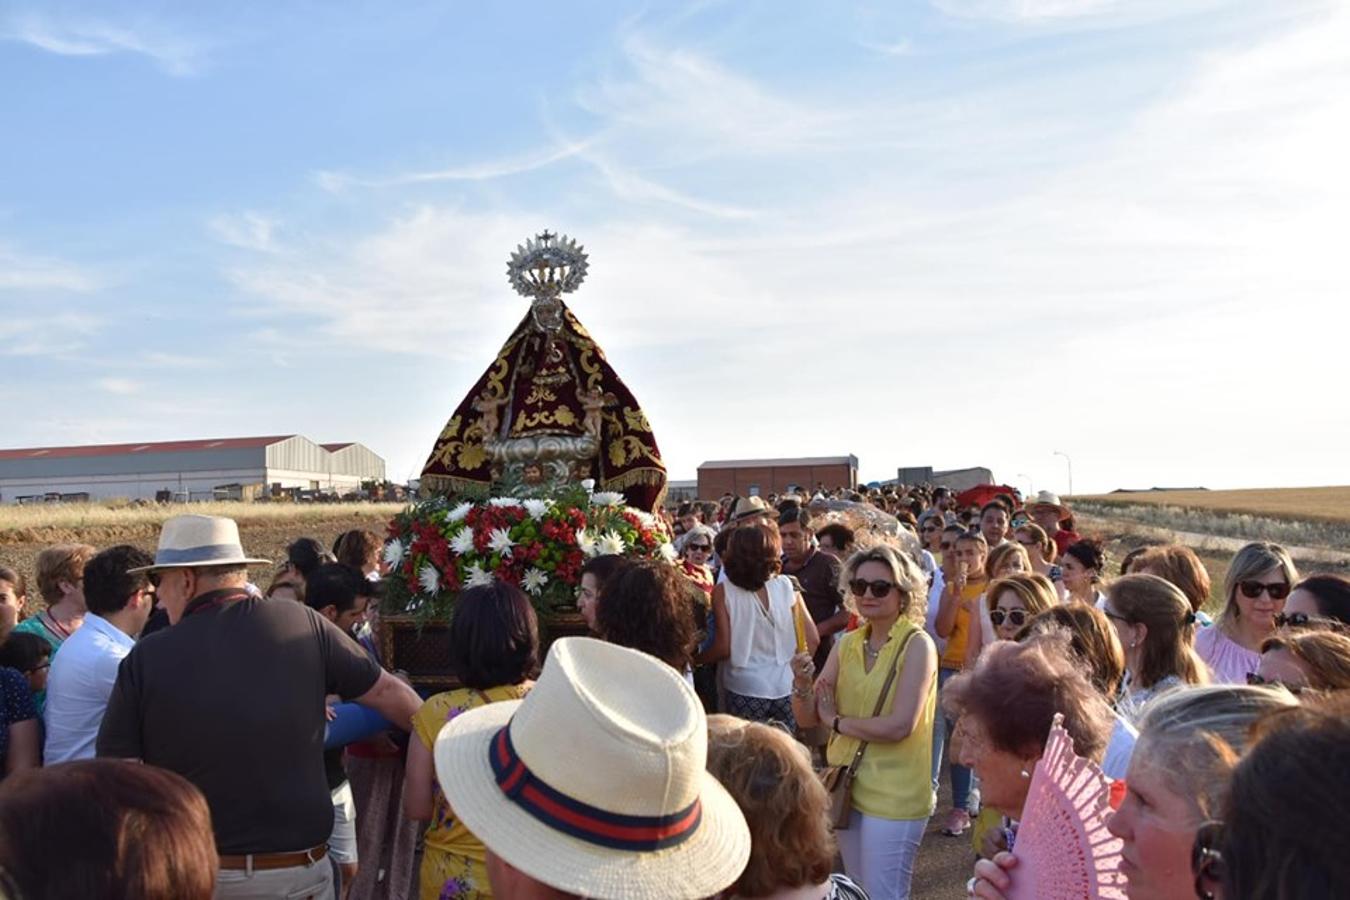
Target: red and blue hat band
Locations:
point(581, 820)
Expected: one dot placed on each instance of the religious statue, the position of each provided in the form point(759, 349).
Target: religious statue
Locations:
point(550, 410)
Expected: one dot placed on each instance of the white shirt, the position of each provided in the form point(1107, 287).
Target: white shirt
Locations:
point(935, 601)
point(1120, 749)
point(762, 641)
point(78, 687)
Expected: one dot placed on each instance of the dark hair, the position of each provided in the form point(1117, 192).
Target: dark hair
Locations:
point(141, 831)
point(338, 586)
point(14, 577)
point(306, 554)
point(710, 510)
point(794, 514)
point(23, 650)
point(996, 503)
point(1281, 835)
point(753, 553)
point(649, 606)
point(689, 508)
point(720, 541)
point(494, 636)
point(1130, 558)
point(357, 548)
point(1332, 593)
point(1015, 690)
point(840, 535)
point(1091, 636)
point(1089, 552)
point(107, 586)
point(603, 568)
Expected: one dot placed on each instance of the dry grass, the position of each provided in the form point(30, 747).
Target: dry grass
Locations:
point(1324, 504)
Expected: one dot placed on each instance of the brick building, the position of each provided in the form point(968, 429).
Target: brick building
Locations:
point(761, 477)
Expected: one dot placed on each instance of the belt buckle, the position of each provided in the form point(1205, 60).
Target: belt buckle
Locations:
point(310, 853)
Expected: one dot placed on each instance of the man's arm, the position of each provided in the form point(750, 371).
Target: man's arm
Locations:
point(393, 699)
point(119, 735)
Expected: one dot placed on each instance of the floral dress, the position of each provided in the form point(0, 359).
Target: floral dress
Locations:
point(453, 863)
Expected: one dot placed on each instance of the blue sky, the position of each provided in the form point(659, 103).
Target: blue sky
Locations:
point(960, 232)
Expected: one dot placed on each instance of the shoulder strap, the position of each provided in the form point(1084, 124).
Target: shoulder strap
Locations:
point(881, 698)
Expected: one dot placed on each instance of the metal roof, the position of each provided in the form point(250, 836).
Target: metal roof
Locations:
point(849, 460)
point(242, 443)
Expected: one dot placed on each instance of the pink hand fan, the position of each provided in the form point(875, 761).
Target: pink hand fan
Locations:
point(1064, 851)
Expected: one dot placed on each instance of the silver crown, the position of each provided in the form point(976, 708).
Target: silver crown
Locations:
point(546, 265)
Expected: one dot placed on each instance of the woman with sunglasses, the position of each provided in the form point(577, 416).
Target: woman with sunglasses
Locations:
point(892, 796)
point(1013, 599)
point(1311, 658)
point(1327, 596)
point(1176, 782)
point(1005, 560)
point(1156, 627)
point(1257, 584)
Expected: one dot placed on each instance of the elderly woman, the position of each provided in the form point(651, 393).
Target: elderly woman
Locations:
point(877, 692)
point(770, 777)
point(1255, 589)
point(1282, 833)
point(1305, 659)
point(60, 581)
point(1005, 706)
point(494, 652)
point(695, 547)
point(1176, 782)
point(1156, 627)
point(756, 611)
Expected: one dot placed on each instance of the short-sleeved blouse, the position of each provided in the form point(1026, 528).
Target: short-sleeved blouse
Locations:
point(1229, 662)
point(16, 705)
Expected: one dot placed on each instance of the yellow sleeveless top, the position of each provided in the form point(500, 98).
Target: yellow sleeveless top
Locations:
point(894, 779)
point(954, 657)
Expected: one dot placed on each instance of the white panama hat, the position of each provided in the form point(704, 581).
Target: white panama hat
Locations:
point(596, 783)
point(1045, 498)
point(189, 541)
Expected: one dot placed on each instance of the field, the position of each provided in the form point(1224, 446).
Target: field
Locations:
point(1326, 504)
point(265, 528)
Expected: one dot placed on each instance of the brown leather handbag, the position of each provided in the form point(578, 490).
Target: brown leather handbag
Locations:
point(838, 780)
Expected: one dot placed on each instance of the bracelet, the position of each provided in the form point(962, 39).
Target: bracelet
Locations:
point(803, 693)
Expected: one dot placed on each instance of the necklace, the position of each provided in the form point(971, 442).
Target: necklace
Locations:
point(56, 627)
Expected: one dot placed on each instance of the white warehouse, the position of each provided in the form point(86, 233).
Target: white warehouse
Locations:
point(228, 468)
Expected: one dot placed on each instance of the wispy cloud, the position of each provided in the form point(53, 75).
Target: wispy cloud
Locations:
point(119, 386)
point(481, 171)
point(19, 271)
point(246, 230)
point(54, 335)
point(78, 35)
point(1076, 12)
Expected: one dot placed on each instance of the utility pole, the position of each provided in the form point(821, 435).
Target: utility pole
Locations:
point(1068, 462)
point(1031, 485)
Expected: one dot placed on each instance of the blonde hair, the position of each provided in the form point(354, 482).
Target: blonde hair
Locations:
point(770, 777)
point(1194, 736)
point(1034, 590)
point(909, 579)
point(1048, 548)
point(998, 558)
point(58, 563)
point(1252, 560)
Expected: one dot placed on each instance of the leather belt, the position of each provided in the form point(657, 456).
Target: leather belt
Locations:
point(262, 861)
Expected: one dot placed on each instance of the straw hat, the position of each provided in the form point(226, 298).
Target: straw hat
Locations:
point(744, 507)
point(596, 782)
point(188, 541)
point(1046, 498)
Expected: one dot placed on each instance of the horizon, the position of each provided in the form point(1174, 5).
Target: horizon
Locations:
point(982, 231)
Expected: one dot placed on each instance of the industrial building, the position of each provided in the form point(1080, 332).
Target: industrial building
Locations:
point(761, 477)
point(226, 469)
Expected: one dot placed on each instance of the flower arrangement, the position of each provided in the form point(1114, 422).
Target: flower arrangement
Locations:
point(436, 548)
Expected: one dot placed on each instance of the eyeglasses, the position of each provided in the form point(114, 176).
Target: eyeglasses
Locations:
point(1252, 589)
point(1016, 617)
point(1255, 679)
point(700, 548)
point(880, 588)
point(1036, 544)
point(1111, 615)
point(1297, 619)
point(1206, 860)
point(931, 529)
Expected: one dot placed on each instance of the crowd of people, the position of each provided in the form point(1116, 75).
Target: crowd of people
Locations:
point(769, 716)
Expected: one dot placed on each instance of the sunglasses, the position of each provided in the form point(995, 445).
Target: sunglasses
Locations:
point(1252, 589)
point(880, 587)
point(700, 548)
point(1112, 615)
point(929, 529)
point(1297, 620)
point(945, 545)
point(1029, 543)
point(1206, 860)
point(1253, 678)
point(1016, 617)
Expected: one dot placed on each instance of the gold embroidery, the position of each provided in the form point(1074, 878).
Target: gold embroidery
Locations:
point(540, 394)
point(636, 419)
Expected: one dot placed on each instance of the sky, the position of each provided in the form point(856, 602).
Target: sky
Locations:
point(946, 233)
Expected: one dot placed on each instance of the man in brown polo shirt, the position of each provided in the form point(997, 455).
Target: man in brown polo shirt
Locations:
point(818, 575)
point(232, 698)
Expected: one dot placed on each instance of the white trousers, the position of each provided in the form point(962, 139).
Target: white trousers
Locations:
point(879, 853)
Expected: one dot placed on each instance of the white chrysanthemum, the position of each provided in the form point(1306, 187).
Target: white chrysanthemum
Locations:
point(429, 579)
point(500, 541)
point(607, 498)
point(611, 543)
point(462, 542)
point(534, 580)
point(503, 501)
point(459, 512)
point(586, 542)
point(536, 508)
point(647, 519)
point(476, 575)
point(588, 484)
point(667, 551)
point(393, 553)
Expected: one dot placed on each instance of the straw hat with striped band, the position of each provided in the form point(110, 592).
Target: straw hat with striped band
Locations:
point(191, 541)
point(595, 783)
